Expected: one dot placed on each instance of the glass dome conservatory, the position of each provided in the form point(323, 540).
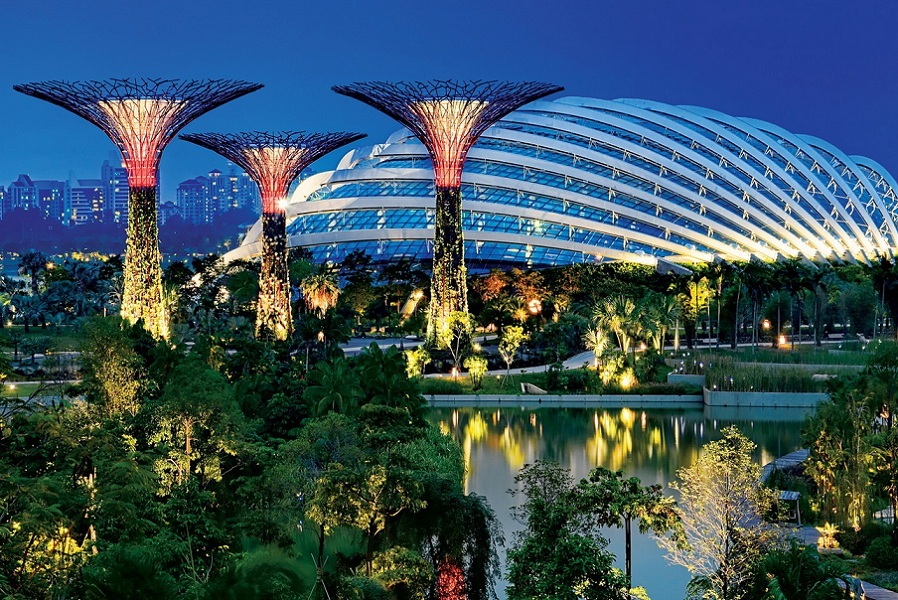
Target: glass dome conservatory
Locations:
point(581, 179)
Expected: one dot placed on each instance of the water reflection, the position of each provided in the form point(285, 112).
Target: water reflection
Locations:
point(648, 443)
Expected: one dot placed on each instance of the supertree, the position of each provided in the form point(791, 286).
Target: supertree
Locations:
point(141, 116)
point(273, 160)
point(448, 117)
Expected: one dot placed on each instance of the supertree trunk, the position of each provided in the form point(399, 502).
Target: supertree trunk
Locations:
point(448, 290)
point(273, 316)
point(142, 298)
point(274, 161)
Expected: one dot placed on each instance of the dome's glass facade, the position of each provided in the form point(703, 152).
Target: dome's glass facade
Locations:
point(580, 179)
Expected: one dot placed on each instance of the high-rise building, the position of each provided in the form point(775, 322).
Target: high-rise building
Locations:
point(167, 210)
point(115, 192)
point(51, 196)
point(85, 201)
point(203, 198)
point(243, 191)
point(193, 200)
point(2, 201)
point(22, 193)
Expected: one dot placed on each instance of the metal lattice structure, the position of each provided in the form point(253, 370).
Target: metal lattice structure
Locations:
point(448, 117)
point(273, 161)
point(141, 116)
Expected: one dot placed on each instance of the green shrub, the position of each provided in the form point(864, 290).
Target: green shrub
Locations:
point(441, 386)
point(882, 554)
point(648, 365)
point(362, 588)
point(857, 542)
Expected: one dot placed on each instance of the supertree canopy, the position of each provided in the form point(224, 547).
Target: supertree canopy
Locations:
point(273, 160)
point(448, 117)
point(140, 116)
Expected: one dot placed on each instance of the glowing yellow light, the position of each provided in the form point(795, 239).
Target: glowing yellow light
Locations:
point(766, 324)
point(627, 380)
point(782, 340)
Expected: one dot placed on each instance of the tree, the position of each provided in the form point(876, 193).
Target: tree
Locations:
point(477, 367)
point(560, 553)
point(619, 316)
point(616, 502)
point(721, 507)
point(33, 264)
point(885, 453)
point(454, 334)
point(596, 340)
point(114, 372)
point(333, 386)
point(320, 292)
point(839, 460)
point(196, 422)
point(511, 340)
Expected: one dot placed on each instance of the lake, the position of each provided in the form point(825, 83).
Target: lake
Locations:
point(647, 443)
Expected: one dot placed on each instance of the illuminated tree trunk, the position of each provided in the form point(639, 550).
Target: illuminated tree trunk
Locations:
point(273, 318)
point(448, 288)
point(142, 298)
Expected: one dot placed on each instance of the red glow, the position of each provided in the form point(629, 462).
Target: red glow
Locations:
point(273, 168)
point(450, 126)
point(141, 126)
point(450, 581)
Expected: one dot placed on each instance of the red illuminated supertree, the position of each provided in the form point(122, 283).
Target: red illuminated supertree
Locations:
point(273, 160)
point(141, 116)
point(448, 117)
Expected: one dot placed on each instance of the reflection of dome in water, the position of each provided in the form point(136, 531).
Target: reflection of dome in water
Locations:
point(580, 179)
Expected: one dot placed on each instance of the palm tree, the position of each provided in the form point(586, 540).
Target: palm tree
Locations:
point(661, 312)
point(596, 339)
point(30, 310)
point(320, 292)
point(333, 386)
point(620, 316)
point(32, 263)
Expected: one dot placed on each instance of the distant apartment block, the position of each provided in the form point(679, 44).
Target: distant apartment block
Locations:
point(203, 198)
point(86, 200)
point(115, 192)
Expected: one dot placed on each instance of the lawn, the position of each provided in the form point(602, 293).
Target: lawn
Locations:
point(26, 390)
point(62, 339)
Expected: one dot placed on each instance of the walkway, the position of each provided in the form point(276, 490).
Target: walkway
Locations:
point(784, 462)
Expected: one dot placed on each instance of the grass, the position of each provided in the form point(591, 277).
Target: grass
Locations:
point(26, 390)
point(764, 378)
point(802, 355)
point(64, 339)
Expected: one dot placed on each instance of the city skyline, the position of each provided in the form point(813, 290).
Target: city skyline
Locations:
point(63, 200)
point(823, 72)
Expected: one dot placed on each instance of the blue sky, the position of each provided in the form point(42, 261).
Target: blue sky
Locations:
point(823, 67)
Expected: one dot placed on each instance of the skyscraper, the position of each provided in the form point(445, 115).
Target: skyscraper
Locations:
point(51, 198)
point(115, 188)
point(84, 201)
point(22, 193)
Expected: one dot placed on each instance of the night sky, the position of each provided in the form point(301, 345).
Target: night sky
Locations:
point(825, 67)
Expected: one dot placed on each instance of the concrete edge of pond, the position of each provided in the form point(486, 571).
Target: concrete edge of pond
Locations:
point(566, 400)
point(764, 399)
